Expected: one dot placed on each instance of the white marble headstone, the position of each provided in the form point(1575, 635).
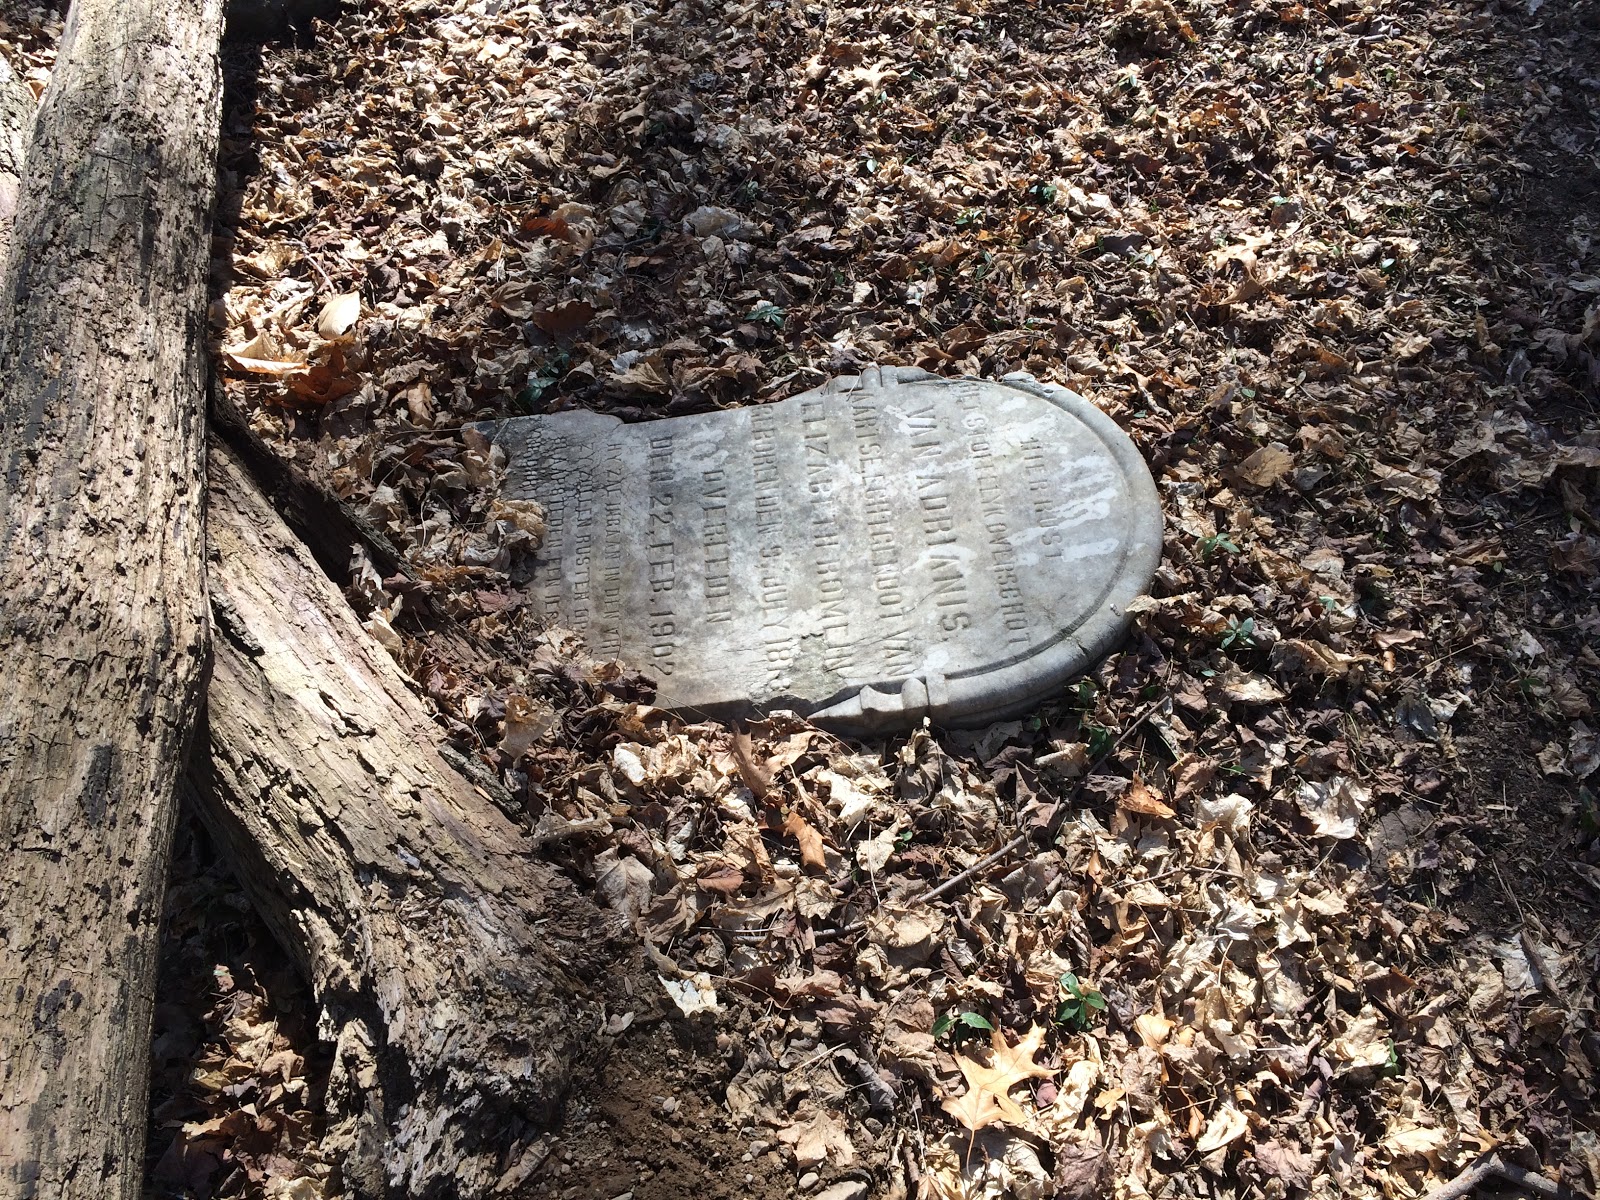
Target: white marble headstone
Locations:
point(885, 547)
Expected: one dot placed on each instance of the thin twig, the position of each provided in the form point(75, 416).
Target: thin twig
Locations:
point(983, 864)
point(1492, 1165)
point(327, 281)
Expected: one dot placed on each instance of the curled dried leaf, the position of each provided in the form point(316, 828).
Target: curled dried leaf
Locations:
point(1140, 799)
point(339, 314)
point(756, 777)
point(813, 856)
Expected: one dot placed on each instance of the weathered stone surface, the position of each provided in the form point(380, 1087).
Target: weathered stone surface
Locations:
point(885, 547)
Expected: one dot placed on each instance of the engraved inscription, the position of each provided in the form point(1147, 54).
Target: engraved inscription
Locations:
point(717, 590)
point(661, 554)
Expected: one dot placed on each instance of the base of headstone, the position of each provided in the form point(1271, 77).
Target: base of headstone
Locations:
point(887, 547)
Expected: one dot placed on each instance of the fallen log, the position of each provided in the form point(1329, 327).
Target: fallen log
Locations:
point(455, 971)
point(103, 624)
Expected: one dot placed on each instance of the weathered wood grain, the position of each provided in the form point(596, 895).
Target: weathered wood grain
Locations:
point(103, 625)
point(456, 972)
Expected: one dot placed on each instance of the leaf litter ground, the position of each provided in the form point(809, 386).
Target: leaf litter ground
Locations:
point(1321, 840)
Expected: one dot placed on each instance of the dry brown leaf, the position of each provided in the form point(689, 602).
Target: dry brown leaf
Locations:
point(1016, 1062)
point(1140, 799)
point(756, 777)
point(813, 856)
point(1266, 466)
point(1009, 1066)
point(338, 314)
point(975, 1109)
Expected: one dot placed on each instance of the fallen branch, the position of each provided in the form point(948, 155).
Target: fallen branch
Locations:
point(458, 976)
point(1492, 1166)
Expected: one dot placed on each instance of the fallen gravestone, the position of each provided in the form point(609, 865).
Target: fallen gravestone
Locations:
point(885, 547)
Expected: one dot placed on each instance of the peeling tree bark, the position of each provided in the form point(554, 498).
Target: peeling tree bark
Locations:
point(103, 641)
point(450, 964)
point(16, 118)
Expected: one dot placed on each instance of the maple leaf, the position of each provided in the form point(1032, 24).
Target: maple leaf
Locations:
point(1009, 1066)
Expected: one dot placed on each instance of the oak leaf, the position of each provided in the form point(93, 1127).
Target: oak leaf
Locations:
point(975, 1109)
point(988, 1098)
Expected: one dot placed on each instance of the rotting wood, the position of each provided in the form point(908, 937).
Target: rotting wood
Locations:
point(103, 626)
point(455, 971)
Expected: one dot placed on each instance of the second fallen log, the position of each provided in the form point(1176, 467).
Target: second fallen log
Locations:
point(455, 971)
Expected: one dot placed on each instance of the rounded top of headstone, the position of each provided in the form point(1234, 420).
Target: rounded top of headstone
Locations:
point(886, 547)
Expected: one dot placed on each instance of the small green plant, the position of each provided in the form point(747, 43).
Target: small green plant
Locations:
point(766, 313)
point(1588, 810)
point(542, 380)
point(1101, 740)
point(1240, 633)
point(1213, 542)
point(961, 1026)
point(1391, 1066)
point(1078, 1004)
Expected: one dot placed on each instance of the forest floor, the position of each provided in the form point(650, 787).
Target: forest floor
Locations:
point(1314, 902)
